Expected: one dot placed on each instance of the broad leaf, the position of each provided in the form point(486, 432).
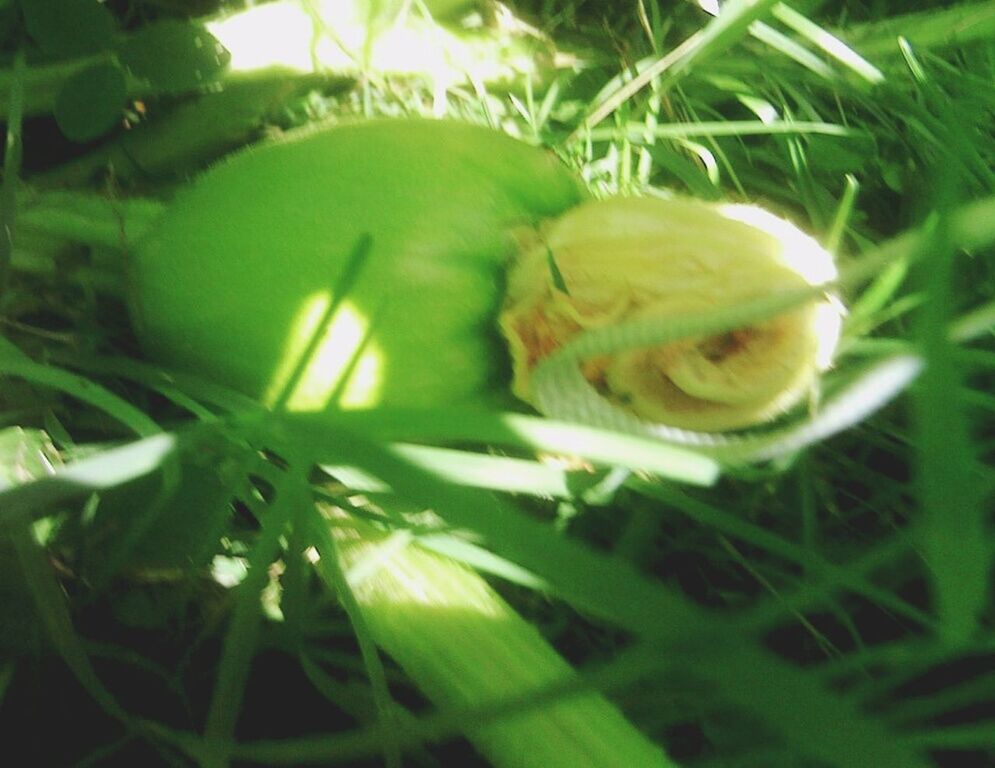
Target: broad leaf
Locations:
point(90, 102)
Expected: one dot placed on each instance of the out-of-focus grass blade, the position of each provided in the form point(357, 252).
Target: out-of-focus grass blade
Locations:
point(329, 567)
point(180, 387)
point(241, 637)
point(613, 590)
point(13, 362)
point(497, 473)
point(828, 43)
point(958, 695)
point(971, 225)
point(953, 529)
point(528, 433)
point(636, 133)
point(866, 394)
point(481, 560)
point(937, 28)
point(718, 35)
point(793, 50)
point(961, 737)
point(878, 296)
point(974, 323)
point(437, 726)
point(13, 155)
point(89, 218)
point(840, 576)
point(806, 715)
point(587, 579)
point(103, 470)
point(22, 457)
point(50, 603)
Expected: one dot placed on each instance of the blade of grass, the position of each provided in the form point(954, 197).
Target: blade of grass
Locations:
point(608, 588)
point(89, 218)
point(959, 25)
point(242, 635)
point(24, 459)
point(834, 236)
point(952, 531)
point(14, 363)
point(792, 49)
point(805, 715)
point(50, 602)
point(519, 431)
point(330, 568)
point(106, 469)
point(497, 473)
point(840, 576)
point(718, 35)
point(588, 579)
point(828, 43)
point(636, 132)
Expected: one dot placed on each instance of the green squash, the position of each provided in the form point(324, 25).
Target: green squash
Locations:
point(353, 266)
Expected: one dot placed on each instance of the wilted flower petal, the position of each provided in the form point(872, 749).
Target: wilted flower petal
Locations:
point(610, 261)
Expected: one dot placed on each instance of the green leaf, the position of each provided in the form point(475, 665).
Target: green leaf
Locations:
point(68, 28)
point(174, 56)
point(90, 102)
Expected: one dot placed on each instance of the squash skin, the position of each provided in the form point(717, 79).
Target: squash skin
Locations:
point(219, 286)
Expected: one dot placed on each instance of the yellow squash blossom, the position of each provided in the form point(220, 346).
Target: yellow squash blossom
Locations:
point(611, 261)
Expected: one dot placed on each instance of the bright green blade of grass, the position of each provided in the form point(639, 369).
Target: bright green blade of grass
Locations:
point(15, 363)
point(792, 49)
point(187, 390)
point(524, 432)
point(498, 473)
point(106, 469)
point(637, 133)
point(481, 560)
point(974, 324)
point(828, 43)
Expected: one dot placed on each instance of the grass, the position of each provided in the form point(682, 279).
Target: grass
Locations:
point(828, 605)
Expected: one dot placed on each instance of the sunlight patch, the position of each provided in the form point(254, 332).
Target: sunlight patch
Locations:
point(327, 345)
